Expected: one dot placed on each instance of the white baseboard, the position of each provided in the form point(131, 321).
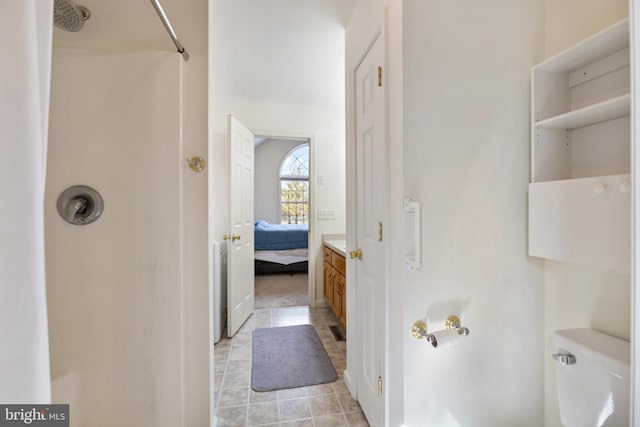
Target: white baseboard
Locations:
point(320, 303)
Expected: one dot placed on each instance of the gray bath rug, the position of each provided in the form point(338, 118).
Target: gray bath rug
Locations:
point(289, 357)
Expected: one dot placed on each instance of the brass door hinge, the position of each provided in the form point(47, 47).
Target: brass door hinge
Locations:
point(379, 386)
point(379, 232)
point(379, 76)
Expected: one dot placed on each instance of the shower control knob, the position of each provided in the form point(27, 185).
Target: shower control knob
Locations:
point(80, 205)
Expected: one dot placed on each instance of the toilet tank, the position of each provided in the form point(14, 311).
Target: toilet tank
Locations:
point(594, 390)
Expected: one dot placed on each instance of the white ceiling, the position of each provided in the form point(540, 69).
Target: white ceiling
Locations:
point(289, 51)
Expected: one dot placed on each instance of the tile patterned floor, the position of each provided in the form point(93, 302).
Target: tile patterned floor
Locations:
point(321, 405)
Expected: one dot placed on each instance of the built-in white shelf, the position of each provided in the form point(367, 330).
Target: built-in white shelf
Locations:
point(592, 114)
point(580, 148)
point(609, 40)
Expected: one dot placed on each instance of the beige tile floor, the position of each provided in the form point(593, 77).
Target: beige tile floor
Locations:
point(314, 406)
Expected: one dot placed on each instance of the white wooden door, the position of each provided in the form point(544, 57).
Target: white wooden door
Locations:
point(371, 199)
point(240, 255)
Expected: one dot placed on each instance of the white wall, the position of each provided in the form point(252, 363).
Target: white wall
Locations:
point(114, 287)
point(466, 158)
point(268, 159)
point(569, 21)
point(578, 296)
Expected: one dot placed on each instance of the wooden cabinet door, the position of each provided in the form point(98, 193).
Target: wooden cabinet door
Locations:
point(337, 293)
point(342, 306)
point(328, 283)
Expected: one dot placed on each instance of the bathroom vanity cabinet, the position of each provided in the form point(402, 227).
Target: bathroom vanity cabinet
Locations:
point(335, 285)
point(579, 195)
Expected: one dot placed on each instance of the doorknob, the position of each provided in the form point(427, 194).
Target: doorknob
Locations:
point(356, 254)
point(235, 237)
point(197, 164)
point(225, 237)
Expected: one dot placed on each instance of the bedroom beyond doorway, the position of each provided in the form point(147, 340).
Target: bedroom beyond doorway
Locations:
point(281, 290)
point(282, 200)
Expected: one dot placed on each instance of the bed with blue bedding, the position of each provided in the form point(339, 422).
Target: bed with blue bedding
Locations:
point(281, 247)
point(278, 237)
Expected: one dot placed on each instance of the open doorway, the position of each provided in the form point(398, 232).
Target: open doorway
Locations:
point(282, 209)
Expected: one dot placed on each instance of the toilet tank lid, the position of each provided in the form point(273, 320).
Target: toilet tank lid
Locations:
point(606, 351)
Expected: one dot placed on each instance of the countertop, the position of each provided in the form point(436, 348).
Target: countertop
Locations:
point(339, 246)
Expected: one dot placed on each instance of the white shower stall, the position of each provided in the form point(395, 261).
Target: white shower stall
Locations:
point(114, 287)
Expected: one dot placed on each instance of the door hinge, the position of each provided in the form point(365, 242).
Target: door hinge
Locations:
point(379, 232)
point(379, 386)
point(379, 76)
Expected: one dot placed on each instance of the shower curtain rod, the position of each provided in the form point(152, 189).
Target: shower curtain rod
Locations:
point(169, 28)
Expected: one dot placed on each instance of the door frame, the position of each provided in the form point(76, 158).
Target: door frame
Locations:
point(355, 375)
point(310, 138)
point(390, 29)
point(634, 30)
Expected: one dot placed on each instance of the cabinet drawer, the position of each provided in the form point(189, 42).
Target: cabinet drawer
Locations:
point(327, 254)
point(339, 263)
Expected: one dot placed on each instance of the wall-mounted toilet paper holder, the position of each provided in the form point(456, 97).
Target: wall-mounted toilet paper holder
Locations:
point(452, 331)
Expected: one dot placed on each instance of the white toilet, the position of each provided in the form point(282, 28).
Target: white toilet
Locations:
point(593, 378)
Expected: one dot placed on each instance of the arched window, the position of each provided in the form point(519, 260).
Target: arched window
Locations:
point(294, 186)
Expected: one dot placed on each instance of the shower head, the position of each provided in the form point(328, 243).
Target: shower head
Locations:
point(69, 16)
